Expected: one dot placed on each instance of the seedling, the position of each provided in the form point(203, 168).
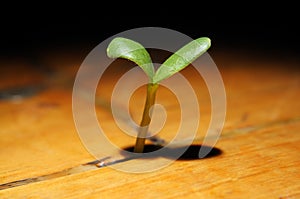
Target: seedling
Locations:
point(125, 48)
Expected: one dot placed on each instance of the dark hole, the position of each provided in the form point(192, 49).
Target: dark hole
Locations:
point(147, 148)
point(187, 153)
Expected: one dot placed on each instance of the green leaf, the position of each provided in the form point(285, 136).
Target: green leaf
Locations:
point(121, 47)
point(182, 58)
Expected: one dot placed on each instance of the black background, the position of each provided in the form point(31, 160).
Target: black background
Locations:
point(31, 30)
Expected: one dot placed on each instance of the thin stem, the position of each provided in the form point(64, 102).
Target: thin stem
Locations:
point(150, 100)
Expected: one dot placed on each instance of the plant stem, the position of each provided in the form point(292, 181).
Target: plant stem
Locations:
point(150, 99)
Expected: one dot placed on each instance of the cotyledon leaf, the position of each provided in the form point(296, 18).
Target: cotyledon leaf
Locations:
point(125, 48)
point(182, 58)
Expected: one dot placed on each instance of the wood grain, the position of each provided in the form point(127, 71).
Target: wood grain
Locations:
point(42, 155)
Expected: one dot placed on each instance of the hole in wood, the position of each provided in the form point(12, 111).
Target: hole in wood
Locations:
point(190, 152)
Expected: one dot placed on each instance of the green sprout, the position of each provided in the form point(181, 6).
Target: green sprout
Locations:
point(131, 50)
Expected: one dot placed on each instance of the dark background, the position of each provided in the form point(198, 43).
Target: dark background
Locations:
point(31, 31)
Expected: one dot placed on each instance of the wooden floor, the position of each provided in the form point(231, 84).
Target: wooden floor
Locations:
point(42, 155)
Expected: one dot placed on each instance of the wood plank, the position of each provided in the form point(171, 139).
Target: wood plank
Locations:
point(260, 141)
point(255, 166)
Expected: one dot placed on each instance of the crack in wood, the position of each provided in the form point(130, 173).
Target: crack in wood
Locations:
point(78, 169)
